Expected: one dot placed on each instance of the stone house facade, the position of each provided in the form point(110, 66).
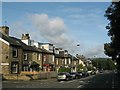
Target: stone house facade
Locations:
point(19, 55)
point(62, 59)
point(11, 53)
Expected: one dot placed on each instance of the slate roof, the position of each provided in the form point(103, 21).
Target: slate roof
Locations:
point(9, 40)
point(62, 56)
point(17, 42)
point(30, 48)
point(68, 56)
point(26, 47)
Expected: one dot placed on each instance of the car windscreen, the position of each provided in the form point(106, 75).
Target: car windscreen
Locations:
point(61, 73)
point(72, 73)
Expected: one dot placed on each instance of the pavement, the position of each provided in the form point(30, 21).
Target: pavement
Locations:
point(116, 80)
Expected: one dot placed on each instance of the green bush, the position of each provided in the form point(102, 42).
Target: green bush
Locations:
point(80, 67)
point(64, 70)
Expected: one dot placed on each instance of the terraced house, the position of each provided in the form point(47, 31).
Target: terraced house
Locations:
point(25, 55)
point(11, 53)
point(17, 56)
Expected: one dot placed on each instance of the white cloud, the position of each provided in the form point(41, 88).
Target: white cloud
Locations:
point(53, 30)
point(93, 50)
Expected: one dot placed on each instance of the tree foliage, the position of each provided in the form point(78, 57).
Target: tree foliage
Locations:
point(64, 70)
point(112, 49)
point(79, 67)
point(103, 63)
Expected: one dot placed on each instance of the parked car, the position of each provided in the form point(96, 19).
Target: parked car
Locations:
point(81, 74)
point(75, 75)
point(93, 72)
point(85, 74)
point(89, 73)
point(64, 76)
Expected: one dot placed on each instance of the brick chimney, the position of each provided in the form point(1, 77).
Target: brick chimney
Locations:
point(25, 37)
point(4, 30)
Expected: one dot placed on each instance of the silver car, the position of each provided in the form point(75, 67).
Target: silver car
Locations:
point(64, 76)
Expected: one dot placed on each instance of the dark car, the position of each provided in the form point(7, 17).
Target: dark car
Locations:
point(81, 74)
point(64, 76)
point(85, 74)
point(75, 75)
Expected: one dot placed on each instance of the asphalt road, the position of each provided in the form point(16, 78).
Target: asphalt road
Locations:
point(101, 80)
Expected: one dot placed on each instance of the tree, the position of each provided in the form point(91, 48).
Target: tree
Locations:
point(89, 68)
point(80, 67)
point(112, 49)
point(103, 63)
point(64, 69)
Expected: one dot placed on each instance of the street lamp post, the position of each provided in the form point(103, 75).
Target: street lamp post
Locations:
point(73, 59)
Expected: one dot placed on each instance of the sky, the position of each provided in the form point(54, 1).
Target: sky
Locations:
point(64, 24)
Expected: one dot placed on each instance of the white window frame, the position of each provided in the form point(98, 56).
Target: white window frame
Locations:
point(26, 68)
point(39, 56)
point(69, 61)
point(57, 62)
point(65, 61)
point(15, 67)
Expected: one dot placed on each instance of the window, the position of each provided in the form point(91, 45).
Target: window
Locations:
point(25, 56)
point(56, 61)
point(14, 67)
point(65, 61)
point(15, 52)
point(69, 61)
point(38, 56)
point(26, 68)
point(62, 61)
point(44, 58)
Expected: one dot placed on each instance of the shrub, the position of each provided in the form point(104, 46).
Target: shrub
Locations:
point(64, 70)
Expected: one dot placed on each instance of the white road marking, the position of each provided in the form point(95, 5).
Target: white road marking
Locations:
point(61, 82)
point(66, 81)
point(79, 86)
point(81, 81)
point(70, 81)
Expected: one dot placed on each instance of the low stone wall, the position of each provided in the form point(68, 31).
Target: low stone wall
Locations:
point(15, 77)
point(30, 76)
point(47, 75)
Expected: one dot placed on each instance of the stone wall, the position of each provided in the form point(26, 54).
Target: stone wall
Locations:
point(15, 77)
point(25, 76)
point(5, 58)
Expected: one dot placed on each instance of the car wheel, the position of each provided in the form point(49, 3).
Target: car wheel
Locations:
point(67, 79)
point(58, 80)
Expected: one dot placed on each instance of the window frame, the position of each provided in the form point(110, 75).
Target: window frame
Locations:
point(25, 56)
point(15, 51)
point(16, 67)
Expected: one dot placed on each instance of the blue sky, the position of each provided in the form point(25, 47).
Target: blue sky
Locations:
point(65, 24)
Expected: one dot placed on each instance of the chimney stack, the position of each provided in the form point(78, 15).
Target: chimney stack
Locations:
point(25, 37)
point(4, 30)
